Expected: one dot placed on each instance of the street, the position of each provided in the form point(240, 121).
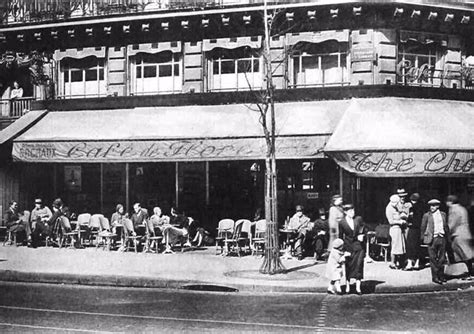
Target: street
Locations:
point(66, 308)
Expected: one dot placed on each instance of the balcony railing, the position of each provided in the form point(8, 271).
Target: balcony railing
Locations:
point(15, 108)
point(25, 11)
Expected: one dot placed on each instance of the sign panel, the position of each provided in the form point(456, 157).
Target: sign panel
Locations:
point(402, 164)
point(362, 54)
point(167, 150)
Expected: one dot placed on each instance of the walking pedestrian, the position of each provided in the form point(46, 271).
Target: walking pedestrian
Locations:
point(334, 267)
point(460, 236)
point(352, 232)
point(335, 215)
point(434, 230)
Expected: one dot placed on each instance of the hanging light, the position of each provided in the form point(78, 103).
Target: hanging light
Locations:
point(225, 20)
point(247, 19)
point(415, 14)
point(432, 16)
point(146, 27)
point(465, 19)
point(126, 29)
point(357, 11)
point(165, 25)
point(449, 18)
point(334, 13)
point(290, 17)
point(398, 12)
point(311, 14)
point(108, 30)
point(89, 31)
point(185, 24)
point(205, 23)
point(37, 36)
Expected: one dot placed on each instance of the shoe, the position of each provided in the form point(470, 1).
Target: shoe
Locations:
point(392, 266)
point(359, 293)
point(442, 279)
point(437, 281)
point(331, 292)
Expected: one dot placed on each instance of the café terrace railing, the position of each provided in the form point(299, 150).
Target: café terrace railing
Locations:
point(15, 108)
point(25, 11)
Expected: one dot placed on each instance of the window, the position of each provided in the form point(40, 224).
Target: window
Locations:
point(157, 73)
point(319, 64)
point(417, 65)
point(82, 78)
point(235, 70)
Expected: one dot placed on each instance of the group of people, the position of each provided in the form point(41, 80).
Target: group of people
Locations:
point(43, 223)
point(175, 228)
point(38, 224)
point(413, 225)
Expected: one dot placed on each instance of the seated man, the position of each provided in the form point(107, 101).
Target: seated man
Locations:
point(16, 222)
point(39, 215)
point(139, 216)
point(300, 224)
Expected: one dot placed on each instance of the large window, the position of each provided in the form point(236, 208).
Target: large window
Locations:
point(156, 73)
point(82, 78)
point(239, 69)
point(319, 64)
point(418, 64)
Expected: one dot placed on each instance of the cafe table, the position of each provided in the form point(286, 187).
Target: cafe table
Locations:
point(287, 253)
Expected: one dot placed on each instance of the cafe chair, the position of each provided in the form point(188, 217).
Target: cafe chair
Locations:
point(83, 226)
point(242, 237)
point(94, 228)
point(105, 237)
point(258, 240)
point(225, 229)
point(153, 237)
point(67, 237)
point(131, 239)
point(382, 239)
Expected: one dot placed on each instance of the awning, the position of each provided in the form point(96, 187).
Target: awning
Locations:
point(20, 125)
point(188, 133)
point(400, 137)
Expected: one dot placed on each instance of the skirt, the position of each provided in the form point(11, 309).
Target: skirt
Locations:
point(355, 265)
point(398, 240)
point(413, 246)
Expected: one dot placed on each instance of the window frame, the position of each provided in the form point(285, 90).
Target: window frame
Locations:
point(70, 67)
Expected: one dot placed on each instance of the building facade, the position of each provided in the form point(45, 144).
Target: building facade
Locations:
point(154, 101)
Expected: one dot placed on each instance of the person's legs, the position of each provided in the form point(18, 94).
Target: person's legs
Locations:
point(358, 286)
point(331, 288)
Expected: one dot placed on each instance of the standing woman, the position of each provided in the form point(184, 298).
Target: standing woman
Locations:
point(396, 235)
point(335, 215)
point(352, 232)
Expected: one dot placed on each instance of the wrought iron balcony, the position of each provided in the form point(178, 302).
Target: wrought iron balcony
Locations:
point(26, 11)
point(15, 108)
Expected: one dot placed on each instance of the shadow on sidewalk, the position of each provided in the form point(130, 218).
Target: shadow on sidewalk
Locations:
point(289, 270)
point(368, 287)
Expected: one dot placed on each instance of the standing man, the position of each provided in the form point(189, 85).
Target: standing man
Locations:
point(415, 216)
point(434, 230)
point(460, 235)
point(336, 213)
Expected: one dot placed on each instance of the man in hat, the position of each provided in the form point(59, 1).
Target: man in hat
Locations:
point(434, 230)
point(299, 223)
point(460, 235)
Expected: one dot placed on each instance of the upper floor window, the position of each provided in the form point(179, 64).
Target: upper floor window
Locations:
point(418, 64)
point(156, 73)
point(82, 78)
point(319, 64)
point(239, 69)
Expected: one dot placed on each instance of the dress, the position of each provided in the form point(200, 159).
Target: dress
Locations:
point(413, 246)
point(355, 263)
point(460, 235)
point(396, 234)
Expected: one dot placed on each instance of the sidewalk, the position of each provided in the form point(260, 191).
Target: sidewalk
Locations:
point(201, 268)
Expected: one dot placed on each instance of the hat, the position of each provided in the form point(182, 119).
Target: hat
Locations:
point(38, 201)
point(415, 197)
point(299, 208)
point(453, 199)
point(394, 199)
point(337, 243)
point(434, 201)
point(347, 207)
point(401, 192)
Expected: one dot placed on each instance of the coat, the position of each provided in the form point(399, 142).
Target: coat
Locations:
point(427, 227)
point(355, 263)
point(460, 235)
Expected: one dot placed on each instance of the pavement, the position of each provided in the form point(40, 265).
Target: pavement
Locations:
point(196, 269)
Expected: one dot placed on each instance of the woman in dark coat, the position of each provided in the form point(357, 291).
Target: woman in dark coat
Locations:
point(352, 232)
point(413, 245)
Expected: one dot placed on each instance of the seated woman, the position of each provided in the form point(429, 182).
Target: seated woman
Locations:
point(177, 229)
point(196, 233)
point(117, 218)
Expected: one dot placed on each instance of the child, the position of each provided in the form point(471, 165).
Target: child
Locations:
point(334, 268)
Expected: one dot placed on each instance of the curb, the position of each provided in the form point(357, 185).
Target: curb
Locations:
point(160, 283)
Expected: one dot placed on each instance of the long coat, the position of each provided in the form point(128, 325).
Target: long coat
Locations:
point(354, 264)
point(460, 235)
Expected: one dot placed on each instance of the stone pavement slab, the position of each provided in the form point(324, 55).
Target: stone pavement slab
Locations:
point(194, 268)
